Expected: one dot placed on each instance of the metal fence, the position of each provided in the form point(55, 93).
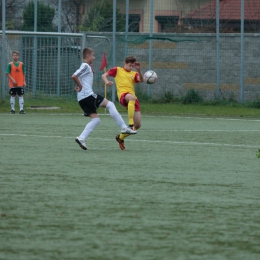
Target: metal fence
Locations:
point(187, 50)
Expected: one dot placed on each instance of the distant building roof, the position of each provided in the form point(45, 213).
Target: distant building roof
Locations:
point(229, 10)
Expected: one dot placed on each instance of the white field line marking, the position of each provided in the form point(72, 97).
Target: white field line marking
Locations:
point(208, 118)
point(179, 130)
point(155, 116)
point(132, 140)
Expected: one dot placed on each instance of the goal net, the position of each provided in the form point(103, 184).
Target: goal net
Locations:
point(50, 60)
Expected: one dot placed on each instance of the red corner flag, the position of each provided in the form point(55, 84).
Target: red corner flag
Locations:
point(103, 62)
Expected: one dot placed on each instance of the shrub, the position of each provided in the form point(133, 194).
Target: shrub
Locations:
point(166, 97)
point(142, 95)
point(254, 104)
point(192, 96)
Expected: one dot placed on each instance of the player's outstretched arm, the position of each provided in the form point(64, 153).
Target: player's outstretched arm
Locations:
point(105, 79)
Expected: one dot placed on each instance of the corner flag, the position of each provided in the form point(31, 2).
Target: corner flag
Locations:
point(103, 62)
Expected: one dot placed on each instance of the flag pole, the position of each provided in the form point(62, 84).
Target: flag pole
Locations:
point(103, 66)
point(105, 89)
point(105, 86)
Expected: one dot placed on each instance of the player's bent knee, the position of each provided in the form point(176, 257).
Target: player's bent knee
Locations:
point(110, 105)
point(137, 126)
point(96, 120)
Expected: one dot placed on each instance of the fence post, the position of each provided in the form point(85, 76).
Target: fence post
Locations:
point(242, 54)
point(114, 48)
point(59, 49)
point(34, 82)
point(217, 52)
point(151, 41)
point(3, 50)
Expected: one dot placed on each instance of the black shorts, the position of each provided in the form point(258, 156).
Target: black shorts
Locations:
point(16, 91)
point(90, 104)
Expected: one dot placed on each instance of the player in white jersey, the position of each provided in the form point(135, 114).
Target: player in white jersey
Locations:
point(89, 101)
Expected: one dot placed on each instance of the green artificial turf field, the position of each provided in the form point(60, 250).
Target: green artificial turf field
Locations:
point(184, 188)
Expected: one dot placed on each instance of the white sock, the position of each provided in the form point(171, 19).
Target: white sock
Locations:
point(12, 102)
point(114, 113)
point(89, 128)
point(21, 102)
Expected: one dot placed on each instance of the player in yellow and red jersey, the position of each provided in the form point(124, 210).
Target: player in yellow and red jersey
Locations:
point(125, 79)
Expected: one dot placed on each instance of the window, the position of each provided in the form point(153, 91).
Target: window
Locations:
point(166, 23)
point(133, 23)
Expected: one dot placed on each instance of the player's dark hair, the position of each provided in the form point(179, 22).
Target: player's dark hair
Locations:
point(87, 51)
point(15, 52)
point(130, 59)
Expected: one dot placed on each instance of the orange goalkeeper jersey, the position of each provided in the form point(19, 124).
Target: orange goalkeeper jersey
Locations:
point(17, 73)
point(125, 80)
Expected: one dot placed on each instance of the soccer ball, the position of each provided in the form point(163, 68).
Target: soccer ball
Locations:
point(150, 77)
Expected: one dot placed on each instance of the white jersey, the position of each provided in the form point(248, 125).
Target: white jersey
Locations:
point(85, 76)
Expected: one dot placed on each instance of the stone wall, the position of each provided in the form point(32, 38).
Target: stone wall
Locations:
point(181, 61)
point(188, 61)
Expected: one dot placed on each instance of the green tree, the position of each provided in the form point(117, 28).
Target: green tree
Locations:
point(12, 14)
point(45, 15)
point(100, 18)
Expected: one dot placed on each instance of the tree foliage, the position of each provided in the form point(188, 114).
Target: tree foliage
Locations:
point(12, 17)
point(45, 15)
point(100, 18)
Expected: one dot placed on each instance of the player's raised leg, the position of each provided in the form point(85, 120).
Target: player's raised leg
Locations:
point(117, 117)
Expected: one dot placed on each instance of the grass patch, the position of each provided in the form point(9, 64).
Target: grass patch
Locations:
point(213, 108)
point(184, 188)
point(200, 109)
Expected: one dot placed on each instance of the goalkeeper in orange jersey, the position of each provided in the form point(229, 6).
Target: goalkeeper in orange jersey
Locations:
point(125, 79)
point(16, 74)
